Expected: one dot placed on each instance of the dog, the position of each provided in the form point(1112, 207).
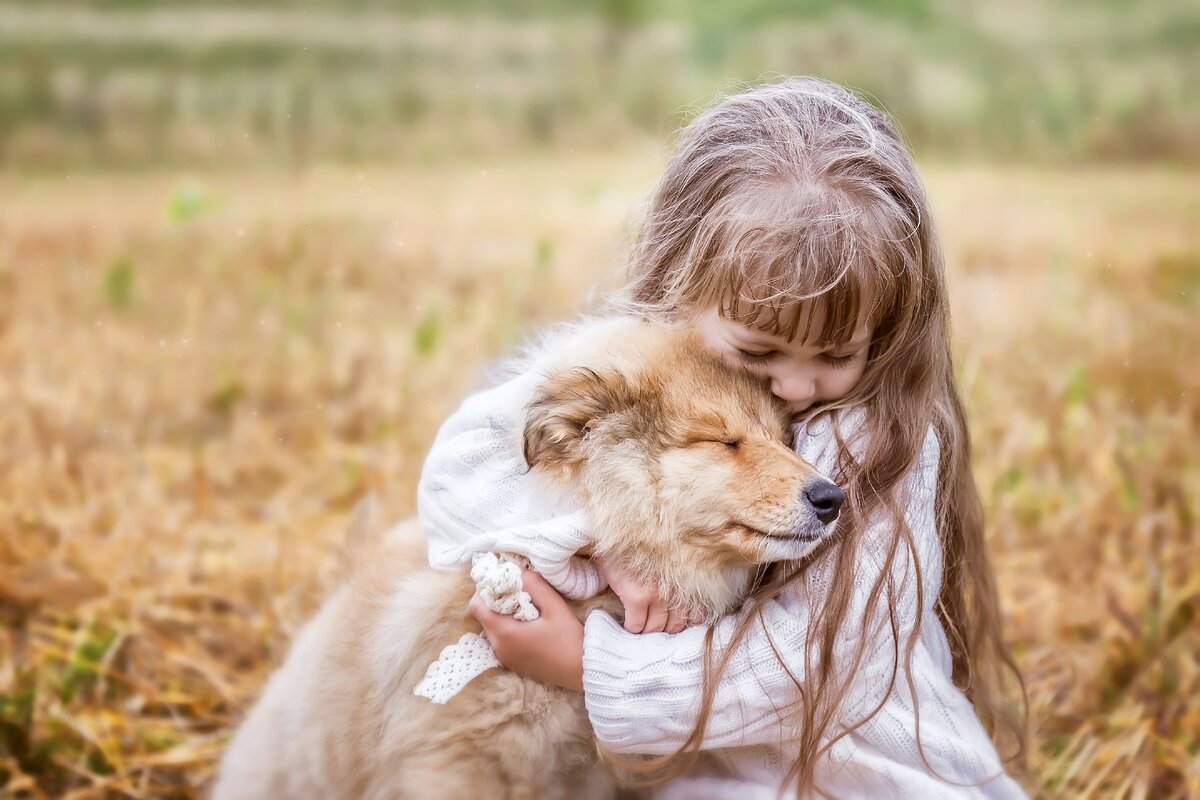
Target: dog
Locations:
point(683, 464)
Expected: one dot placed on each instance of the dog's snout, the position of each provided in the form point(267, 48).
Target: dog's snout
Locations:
point(826, 500)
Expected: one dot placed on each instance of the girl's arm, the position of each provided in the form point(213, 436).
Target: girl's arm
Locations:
point(641, 692)
point(476, 494)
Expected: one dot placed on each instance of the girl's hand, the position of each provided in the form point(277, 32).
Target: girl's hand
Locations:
point(645, 609)
point(549, 649)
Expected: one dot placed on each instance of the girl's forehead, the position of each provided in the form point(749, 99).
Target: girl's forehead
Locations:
point(815, 322)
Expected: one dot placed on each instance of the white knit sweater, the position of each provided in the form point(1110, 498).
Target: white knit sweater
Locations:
point(476, 494)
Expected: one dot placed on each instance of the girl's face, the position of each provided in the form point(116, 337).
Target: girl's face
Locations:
point(800, 375)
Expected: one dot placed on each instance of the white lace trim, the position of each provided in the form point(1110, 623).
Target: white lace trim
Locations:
point(497, 578)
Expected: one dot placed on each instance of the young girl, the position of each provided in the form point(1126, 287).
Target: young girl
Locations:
point(791, 231)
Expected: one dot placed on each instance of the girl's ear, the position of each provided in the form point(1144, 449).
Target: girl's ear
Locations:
point(563, 410)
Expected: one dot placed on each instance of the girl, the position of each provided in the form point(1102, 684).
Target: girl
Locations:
point(791, 231)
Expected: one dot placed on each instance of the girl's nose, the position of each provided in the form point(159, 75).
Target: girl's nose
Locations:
point(797, 390)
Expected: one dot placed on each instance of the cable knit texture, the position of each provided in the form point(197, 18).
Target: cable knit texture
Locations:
point(477, 494)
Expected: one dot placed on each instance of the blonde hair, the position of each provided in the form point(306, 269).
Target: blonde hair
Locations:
point(777, 199)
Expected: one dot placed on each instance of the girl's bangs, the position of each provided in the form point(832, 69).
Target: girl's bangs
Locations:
point(812, 277)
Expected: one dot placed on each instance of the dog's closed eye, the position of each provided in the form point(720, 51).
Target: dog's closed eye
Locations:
point(729, 443)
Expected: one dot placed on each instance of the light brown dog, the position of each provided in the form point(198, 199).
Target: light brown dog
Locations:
point(681, 463)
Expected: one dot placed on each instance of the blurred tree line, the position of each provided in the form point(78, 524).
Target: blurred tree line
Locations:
point(143, 82)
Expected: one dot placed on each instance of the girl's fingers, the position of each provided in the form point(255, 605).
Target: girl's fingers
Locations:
point(477, 608)
point(676, 622)
point(656, 619)
point(486, 617)
point(533, 583)
point(544, 596)
point(635, 617)
point(474, 606)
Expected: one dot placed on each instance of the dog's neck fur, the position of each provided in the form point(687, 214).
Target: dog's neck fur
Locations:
point(706, 584)
point(703, 583)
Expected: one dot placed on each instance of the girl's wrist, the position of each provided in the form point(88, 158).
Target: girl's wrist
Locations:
point(573, 673)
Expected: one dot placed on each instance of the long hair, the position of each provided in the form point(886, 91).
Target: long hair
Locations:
point(799, 193)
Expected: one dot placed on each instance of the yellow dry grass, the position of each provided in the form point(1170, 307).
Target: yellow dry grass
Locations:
point(200, 379)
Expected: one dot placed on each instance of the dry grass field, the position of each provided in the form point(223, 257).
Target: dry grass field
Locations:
point(200, 378)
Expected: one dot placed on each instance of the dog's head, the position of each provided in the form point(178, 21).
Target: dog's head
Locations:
point(683, 462)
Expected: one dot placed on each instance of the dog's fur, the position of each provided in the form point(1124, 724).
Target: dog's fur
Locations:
point(682, 464)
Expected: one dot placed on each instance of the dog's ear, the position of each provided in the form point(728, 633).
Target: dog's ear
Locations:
point(563, 410)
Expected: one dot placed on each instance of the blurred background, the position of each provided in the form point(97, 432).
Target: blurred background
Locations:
point(251, 254)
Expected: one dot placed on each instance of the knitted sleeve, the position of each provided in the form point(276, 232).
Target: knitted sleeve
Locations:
point(641, 690)
point(476, 494)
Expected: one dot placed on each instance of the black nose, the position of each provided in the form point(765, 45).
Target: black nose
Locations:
point(825, 498)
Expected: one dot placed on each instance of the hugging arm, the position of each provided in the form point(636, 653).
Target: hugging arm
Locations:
point(476, 494)
point(642, 692)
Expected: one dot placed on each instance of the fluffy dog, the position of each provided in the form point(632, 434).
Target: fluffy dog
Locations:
point(682, 464)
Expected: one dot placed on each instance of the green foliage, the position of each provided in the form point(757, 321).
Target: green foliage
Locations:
point(140, 82)
point(18, 740)
point(118, 284)
point(1079, 386)
point(83, 670)
point(1009, 480)
point(16, 714)
point(544, 258)
point(425, 337)
point(188, 202)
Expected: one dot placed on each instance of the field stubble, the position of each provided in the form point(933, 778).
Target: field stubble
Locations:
point(200, 378)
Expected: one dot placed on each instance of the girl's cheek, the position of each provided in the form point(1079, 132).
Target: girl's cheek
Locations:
point(850, 379)
point(835, 384)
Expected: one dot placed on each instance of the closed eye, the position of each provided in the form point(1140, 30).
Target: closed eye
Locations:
point(839, 362)
point(755, 356)
point(729, 444)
